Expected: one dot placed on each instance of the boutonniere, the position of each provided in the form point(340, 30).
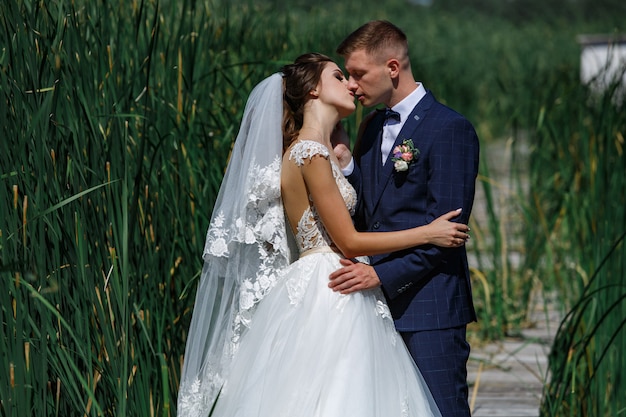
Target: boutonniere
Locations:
point(404, 154)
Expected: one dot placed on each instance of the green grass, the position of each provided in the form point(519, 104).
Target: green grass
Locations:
point(116, 121)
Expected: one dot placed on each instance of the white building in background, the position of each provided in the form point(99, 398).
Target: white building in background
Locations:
point(603, 62)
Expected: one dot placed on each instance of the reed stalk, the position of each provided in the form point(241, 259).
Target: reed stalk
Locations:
point(578, 181)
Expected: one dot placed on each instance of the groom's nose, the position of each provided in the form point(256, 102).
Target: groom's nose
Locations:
point(352, 85)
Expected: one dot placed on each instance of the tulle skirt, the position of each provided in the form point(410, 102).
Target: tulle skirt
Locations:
point(311, 352)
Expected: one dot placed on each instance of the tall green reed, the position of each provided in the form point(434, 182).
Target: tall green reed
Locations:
point(577, 193)
point(118, 126)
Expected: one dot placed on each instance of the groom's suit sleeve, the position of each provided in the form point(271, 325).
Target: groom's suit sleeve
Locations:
point(452, 169)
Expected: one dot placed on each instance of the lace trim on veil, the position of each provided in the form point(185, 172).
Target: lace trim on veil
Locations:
point(247, 246)
point(263, 227)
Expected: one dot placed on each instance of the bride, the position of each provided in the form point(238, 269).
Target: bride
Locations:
point(268, 337)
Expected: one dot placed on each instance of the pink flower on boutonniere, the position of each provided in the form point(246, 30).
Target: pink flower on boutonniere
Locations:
point(404, 154)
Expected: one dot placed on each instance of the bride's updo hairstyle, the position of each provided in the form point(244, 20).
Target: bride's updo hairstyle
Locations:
point(299, 79)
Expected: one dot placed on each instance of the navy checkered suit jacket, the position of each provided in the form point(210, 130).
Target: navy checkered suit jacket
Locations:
point(427, 287)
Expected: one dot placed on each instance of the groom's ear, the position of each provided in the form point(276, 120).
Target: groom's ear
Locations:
point(393, 67)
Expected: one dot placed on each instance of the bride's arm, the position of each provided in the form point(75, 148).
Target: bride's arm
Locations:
point(318, 176)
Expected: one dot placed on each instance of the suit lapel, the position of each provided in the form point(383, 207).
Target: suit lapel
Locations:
point(407, 132)
point(369, 157)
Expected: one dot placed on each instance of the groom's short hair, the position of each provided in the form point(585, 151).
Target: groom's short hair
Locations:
point(375, 37)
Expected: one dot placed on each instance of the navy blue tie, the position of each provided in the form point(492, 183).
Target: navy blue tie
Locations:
point(390, 114)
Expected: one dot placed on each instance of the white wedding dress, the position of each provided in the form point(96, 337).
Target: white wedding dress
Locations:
point(312, 352)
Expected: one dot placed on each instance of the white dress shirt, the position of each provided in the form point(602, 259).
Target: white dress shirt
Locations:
point(392, 127)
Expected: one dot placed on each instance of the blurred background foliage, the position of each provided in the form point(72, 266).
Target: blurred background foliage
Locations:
point(116, 123)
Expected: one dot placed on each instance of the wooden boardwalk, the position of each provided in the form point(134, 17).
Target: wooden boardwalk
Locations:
point(506, 378)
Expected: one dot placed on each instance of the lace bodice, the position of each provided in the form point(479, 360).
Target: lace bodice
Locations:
point(310, 230)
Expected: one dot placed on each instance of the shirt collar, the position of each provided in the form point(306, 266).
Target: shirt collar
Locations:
point(406, 106)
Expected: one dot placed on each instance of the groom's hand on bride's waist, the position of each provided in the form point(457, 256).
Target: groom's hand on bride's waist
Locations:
point(354, 276)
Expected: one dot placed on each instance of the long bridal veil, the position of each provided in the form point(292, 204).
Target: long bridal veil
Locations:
point(247, 245)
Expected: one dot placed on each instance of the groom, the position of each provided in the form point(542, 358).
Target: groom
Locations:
point(427, 288)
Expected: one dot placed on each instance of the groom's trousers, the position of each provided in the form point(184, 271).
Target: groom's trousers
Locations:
point(441, 356)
